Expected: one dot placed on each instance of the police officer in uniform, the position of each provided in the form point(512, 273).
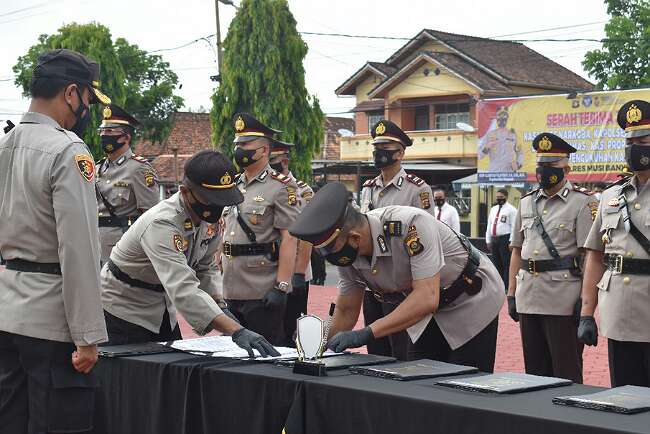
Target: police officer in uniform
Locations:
point(617, 266)
point(167, 261)
point(297, 299)
point(550, 229)
point(259, 254)
point(50, 308)
point(126, 184)
point(393, 186)
point(448, 294)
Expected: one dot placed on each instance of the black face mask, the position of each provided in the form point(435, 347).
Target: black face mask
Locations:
point(439, 202)
point(110, 143)
point(344, 257)
point(384, 157)
point(637, 157)
point(244, 157)
point(208, 213)
point(549, 177)
point(501, 201)
point(277, 167)
point(82, 119)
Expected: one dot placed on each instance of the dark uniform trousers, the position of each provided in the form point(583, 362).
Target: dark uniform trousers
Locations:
point(255, 316)
point(501, 256)
point(551, 346)
point(40, 391)
point(397, 344)
point(122, 332)
point(296, 306)
point(479, 352)
point(318, 268)
point(629, 363)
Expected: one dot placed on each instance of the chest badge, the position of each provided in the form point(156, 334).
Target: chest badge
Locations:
point(381, 241)
point(258, 199)
point(613, 202)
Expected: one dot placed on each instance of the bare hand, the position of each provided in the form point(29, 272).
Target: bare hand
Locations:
point(84, 358)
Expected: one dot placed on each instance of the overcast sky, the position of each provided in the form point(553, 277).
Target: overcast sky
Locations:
point(163, 24)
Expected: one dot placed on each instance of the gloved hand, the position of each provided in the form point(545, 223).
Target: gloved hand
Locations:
point(350, 339)
point(250, 340)
point(588, 330)
point(298, 283)
point(512, 308)
point(229, 314)
point(275, 299)
point(576, 310)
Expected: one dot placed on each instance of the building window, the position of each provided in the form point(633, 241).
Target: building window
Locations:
point(422, 118)
point(448, 115)
point(374, 117)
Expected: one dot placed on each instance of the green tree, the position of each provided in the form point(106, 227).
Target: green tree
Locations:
point(624, 60)
point(132, 78)
point(263, 74)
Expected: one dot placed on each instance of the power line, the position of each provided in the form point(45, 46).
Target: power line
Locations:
point(24, 9)
point(550, 29)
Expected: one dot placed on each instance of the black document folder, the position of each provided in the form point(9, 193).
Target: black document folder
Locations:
point(344, 361)
point(414, 370)
point(505, 382)
point(133, 349)
point(624, 399)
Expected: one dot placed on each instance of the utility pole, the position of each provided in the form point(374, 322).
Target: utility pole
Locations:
point(216, 10)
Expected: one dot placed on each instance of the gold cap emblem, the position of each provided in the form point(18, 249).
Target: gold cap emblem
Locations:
point(633, 114)
point(381, 129)
point(226, 179)
point(239, 124)
point(545, 144)
point(107, 113)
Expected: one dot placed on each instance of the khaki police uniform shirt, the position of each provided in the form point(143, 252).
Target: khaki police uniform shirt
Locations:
point(128, 184)
point(393, 267)
point(164, 247)
point(305, 193)
point(567, 218)
point(623, 299)
point(48, 214)
point(270, 204)
point(403, 189)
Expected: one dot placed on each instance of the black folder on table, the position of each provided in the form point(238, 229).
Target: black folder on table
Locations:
point(413, 370)
point(133, 349)
point(624, 399)
point(505, 382)
point(344, 361)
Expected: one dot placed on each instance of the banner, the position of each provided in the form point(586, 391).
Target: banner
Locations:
point(587, 121)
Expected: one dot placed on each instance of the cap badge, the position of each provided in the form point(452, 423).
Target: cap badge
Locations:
point(633, 114)
point(381, 129)
point(644, 160)
point(545, 144)
point(239, 124)
point(226, 179)
point(107, 113)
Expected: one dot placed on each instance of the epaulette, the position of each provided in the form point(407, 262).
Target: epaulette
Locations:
point(301, 184)
point(100, 162)
point(530, 192)
point(139, 159)
point(583, 190)
point(414, 179)
point(237, 177)
point(369, 183)
point(280, 177)
point(623, 180)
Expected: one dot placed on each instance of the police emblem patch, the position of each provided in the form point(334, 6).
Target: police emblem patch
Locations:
point(424, 199)
point(86, 166)
point(179, 243)
point(291, 196)
point(149, 178)
point(593, 206)
point(413, 245)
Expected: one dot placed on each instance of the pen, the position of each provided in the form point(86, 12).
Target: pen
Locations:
point(328, 325)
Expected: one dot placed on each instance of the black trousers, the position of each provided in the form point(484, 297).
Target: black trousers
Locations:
point(40, 391)
point(479, 352)
point(372, 311)
point(255, 316)
point(122, 332)
point(501, 256)
point(629, 363)
point(296, 306)
point(551, 346)
point(317, 268)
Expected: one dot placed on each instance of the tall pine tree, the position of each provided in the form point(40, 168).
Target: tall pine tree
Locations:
point(263, 75)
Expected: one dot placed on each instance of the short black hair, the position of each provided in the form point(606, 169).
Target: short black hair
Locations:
point(48, 87)
point(503, 191)
point(353, 219)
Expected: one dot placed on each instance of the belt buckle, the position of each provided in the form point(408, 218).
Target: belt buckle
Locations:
point(531, 266)
point(227, 250)
point(618, 263)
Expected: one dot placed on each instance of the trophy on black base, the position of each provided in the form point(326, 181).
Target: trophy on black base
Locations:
point(311, 339)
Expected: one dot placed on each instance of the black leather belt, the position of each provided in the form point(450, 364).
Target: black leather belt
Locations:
point(116, 222)
point(123, 277)
point(253, 249)
point(566, 263)
point(626, 265)
point(33, 267)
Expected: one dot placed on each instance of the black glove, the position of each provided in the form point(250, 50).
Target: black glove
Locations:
point(576, 310)
point(298, 283)
point(588, 330)
point(229, 314)
point(250, 341)
point(350, 339)
point(512, 308)
point(275, 299)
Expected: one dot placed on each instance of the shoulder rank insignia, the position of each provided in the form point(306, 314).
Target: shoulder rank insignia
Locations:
point(149, 178)
point(414, 179)
point(413, 245)
point(369, 183)
point(381, 241)
point(86, 166)
point(301, 184)
point(530, 192)
point(424, 200)
point(593, 206)
point(280, 177)
point(393, 228)
point(180, 243)
point(139, 159)
point(187, 225)
point(307, 194)
point(291, 196)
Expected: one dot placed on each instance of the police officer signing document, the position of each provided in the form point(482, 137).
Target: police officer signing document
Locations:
point(617, 268)
point(448, 293)
point(50, 310)
point(126, 185)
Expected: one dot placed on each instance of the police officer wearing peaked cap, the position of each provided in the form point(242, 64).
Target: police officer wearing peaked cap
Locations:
point(50, 308)
point(449, 294)
point(550, 229)
point(617, 266)
point(126, 184)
